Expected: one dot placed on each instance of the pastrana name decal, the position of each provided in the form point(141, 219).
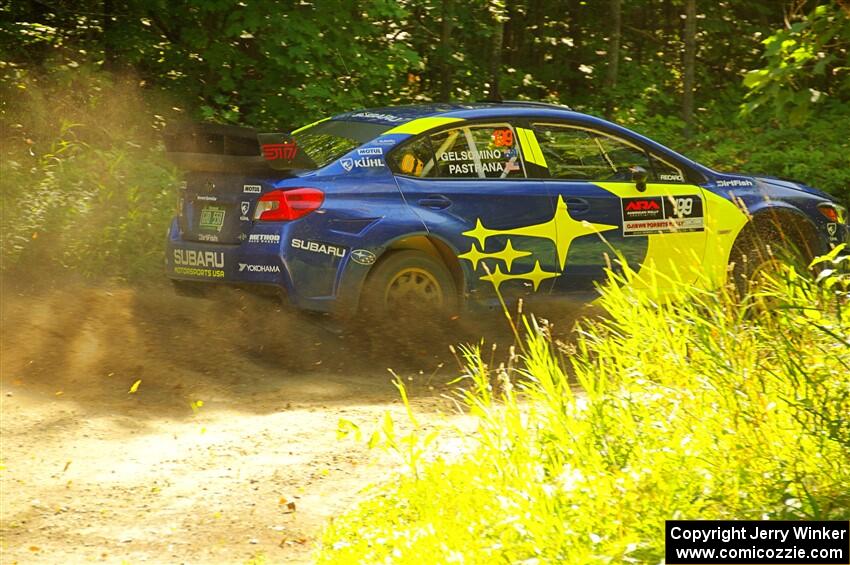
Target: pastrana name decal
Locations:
point(646, 215)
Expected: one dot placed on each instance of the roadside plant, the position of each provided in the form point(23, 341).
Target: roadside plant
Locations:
point(690, 405)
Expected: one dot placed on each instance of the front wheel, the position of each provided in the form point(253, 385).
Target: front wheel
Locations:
point(410, 281)
point(760, 255)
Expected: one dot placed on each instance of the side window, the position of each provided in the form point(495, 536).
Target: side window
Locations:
point(579, 154)
point(414, 159)
point(486, 151)
point(572, 153)
point(663, 172)
point(622, 156)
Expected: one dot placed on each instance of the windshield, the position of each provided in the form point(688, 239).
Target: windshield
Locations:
point(329, 140)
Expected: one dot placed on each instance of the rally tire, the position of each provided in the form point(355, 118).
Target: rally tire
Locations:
point(761, 250)
point(409, 282)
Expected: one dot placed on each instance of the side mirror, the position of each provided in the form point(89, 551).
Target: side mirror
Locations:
point(639, 176)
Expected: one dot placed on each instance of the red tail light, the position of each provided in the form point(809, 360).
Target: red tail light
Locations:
point(290, 204)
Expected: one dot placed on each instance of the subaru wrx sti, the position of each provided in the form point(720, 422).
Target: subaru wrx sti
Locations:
point(443, 205)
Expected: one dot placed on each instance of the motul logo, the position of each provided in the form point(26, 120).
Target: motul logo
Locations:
point(642, 205)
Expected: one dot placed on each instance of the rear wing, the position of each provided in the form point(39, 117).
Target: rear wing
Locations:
point(232, 149)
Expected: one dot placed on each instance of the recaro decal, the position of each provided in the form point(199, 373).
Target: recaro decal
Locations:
point(561, 230)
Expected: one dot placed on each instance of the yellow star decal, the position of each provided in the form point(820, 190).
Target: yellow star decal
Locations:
point(536, 276)
point(508, 255)
point(561, 230)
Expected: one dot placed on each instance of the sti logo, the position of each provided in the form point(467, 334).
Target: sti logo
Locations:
point(275, 151)
point(642, 205)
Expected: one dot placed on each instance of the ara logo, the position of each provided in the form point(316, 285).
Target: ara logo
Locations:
point(347, 164)
point(363, 256)
point(258, 268)
point(244, 206)
point(370, 151)
point(831, 229)
point(642, 205)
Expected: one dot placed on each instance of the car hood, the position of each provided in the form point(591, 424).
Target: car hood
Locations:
point(794, 185)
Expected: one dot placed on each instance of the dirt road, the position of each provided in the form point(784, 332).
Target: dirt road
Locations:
point(228, 449)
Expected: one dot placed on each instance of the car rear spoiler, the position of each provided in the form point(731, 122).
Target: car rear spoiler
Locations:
point(232, 149)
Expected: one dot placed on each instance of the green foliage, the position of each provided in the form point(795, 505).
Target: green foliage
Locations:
point(88, 85)
point(83, 186)
point(693, 407)
point(274, 64)
point(807, 61)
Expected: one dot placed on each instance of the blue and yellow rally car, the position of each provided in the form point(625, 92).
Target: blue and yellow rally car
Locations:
point(442, 205)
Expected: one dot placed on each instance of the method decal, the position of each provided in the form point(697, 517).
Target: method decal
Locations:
point(561, 230)
point(658, 214)
point(264, 238)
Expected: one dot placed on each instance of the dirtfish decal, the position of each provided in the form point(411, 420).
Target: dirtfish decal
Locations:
point(561, 230)
point(734, 183)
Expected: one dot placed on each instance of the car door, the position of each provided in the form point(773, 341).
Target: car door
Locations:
point(605, 217)
point(468, 185)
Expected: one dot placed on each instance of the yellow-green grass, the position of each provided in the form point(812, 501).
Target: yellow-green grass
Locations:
point(697, 406)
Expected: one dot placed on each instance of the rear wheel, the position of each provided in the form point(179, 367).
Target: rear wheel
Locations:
point(410, 282)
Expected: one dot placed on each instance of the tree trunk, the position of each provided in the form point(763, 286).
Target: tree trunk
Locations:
point(446, 51)
point(110, 59)
point(689, 64)
point(614, 44)
point(499, 14)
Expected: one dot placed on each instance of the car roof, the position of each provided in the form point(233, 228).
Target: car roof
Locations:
point(398, 115)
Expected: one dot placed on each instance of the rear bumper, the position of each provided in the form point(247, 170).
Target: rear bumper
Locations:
point(267, 260)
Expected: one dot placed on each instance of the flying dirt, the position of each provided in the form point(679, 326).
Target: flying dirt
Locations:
point(138, 426)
